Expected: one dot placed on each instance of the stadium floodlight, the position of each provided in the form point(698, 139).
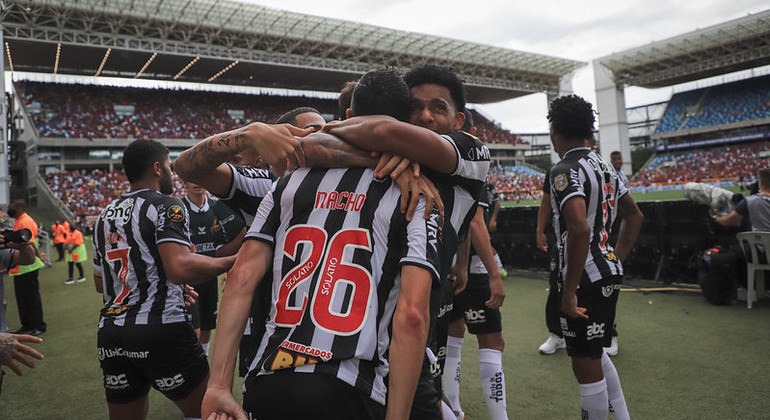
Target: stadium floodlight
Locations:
point(8, 53)
point(221, 72)
point(104, 60)
point(58, 54)
point(147, 64)
point(185, 68)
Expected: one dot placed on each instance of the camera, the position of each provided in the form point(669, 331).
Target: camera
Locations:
point(15, 236)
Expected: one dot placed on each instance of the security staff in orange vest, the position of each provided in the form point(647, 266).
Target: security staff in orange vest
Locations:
point(76, 253)
point(59, 234)
point(25, 279)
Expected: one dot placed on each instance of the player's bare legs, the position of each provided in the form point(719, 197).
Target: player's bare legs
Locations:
point(130, 411)
point(191, 404)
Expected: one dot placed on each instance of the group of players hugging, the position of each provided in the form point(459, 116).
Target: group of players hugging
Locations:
point(353, 264)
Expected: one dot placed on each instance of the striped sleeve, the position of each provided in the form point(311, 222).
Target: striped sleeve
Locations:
point(267, 219)
point(472, 156)
point(566, 183)
point(423, 238)
point(248, 187)
point(172, 223)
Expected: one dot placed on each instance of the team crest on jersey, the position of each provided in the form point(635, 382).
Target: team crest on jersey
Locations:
point(217, 226)
point(175, 213)
point(122, 211)
point(560, 182)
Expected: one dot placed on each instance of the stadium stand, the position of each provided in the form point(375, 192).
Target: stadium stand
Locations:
point(718, 163)
point(88, 111)
point(489, 132)
point(517, 182)
point(87, 192)
point(745, 100)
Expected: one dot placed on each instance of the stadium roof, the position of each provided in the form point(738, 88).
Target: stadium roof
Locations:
point(247, 44)
point(735, 45)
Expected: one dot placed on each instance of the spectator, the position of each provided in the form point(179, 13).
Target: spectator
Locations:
point(755, 208)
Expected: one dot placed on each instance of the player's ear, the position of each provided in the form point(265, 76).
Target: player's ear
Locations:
point(459, 120)
point(157, 168)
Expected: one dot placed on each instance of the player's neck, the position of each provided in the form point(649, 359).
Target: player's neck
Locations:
point(145, 185)
point(197, 199)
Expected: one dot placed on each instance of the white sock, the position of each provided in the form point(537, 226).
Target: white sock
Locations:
point(594, 398)
point(499, 263)
point(614, 390)
point(493, 382)
point(205, 348)
point(446, 412)
point(451, 379)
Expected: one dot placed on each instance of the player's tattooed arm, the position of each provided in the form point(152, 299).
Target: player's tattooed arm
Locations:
point(12, 350)
point(204, 163)
point(327, 151)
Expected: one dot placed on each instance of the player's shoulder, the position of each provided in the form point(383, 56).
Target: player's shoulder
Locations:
point(251, 172)
point(469, 146)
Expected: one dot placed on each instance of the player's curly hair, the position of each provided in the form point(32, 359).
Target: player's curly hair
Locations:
point(442, 76)
point(572, 117)
point(381, 91)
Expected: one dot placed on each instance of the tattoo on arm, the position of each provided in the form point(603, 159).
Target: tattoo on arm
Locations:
point(328, 151)
point(207, 155)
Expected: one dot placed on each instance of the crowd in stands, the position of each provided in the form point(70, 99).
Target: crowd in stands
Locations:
point(516, 183)
point(87, 192)
point(490, 132)
point(745, 100)
point(88, 111)
point(732, 161)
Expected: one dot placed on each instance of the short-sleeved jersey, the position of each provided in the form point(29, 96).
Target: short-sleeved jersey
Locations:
point(756, 210)
point(339, 242)
point(227, 224)
point(583, 173)
point(126, 238)
point(202, 222)
point(622, 177)
point(246, 192)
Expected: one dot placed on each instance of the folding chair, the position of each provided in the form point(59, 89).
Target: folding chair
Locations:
point(756, 248)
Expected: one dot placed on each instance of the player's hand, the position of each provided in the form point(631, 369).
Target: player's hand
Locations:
point(498, 292)
point(190, 295)
point(277, 144)
point(542, 241)
point(492, 225)
point(570, 308)
point(223, 278)
point(459, 278)
point(12, 350)
point(219, 404)
point(392, 165)
point(411, 190)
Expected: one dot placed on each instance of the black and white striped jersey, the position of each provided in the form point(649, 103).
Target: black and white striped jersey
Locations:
point(583, 173)
point(126, 238)
point(339, 242)
point(246, 192)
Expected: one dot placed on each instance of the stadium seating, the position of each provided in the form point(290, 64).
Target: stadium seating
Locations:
point(87, 192)
point(489, 132)
point(517, 182)
point(745, 100)
point(87, 111)
point(732, 161)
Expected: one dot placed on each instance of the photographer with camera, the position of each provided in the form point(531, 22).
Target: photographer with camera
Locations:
point(25, 272)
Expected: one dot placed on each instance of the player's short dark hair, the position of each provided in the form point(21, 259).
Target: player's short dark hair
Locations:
point(382, 92)
point(140, 155)
point(572, 116)
point(468, 124)
point(764, 177)
point(346, 95)
point(615, 153)
point(291, 116)
point(437, 75)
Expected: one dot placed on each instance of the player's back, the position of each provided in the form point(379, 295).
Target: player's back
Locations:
point(126, 238)
point(340, 240)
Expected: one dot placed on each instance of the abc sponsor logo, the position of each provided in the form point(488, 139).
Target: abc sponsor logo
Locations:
point(475, 317)
point(103, 353)
point(167, 384)
point(595, 330)
point(115, 381)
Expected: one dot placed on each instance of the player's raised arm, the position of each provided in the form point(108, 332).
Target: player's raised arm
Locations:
point(381, 133)
point(254, 259)
point(204, 163)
